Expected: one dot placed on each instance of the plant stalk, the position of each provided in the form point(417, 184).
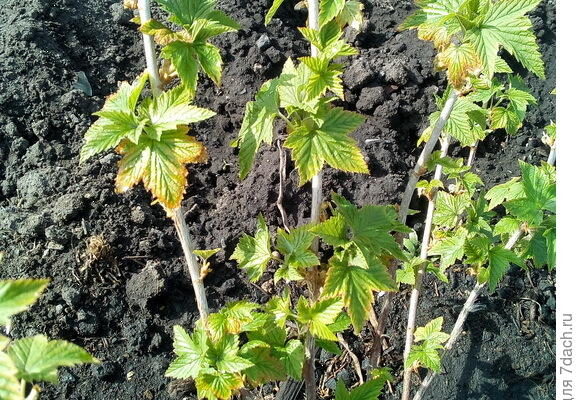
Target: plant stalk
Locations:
point(420, 273)
point(309, 367)
point(420, 166)
point(552, 155)
point(149, 49)
point(472, 154)
point(192, 262)
point(178, 216)
point(459, 325)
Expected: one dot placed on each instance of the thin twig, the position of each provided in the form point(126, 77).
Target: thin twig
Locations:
point(353, 357)
point(282, 173)
point(149, 49)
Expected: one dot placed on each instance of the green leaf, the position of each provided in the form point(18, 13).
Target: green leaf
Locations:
point(17, 295)
point(449, 249)
point(258, 123)
point(272, 11)
point(223, 355)
point(184, 59)
point(539, 187)
point(325, 76)
point(431, 332)
point(351, 15)
point(329, 143)
point(162, 34)
point(192, 354)
point(265, 368)
point(425, 354)
point(211, 61)
point(38, 359)
point(214, 385)
point(449, 208)
point(281, 308)
point(292, 91)
point(116, 121)
point(506, 191)
point(461, 62)
point(355, 286)
point(206, 254)
point(318, 315)
point(254, 253)
point(292, 357)
point(295, 247)
point(160, 165)
point(329, 9)
point(369, 390)
point(499, 260)
point(185, 12)
point(170, 110)
point(505, 25)
point(506, 226)
point(329, 346)
point(232, 318)
point(9, 385)
point(332, 231)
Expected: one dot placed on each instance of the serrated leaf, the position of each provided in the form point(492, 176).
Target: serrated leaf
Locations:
point(292, 357)
point(505, 25)
point(318, 315)
point(223, 355)
point(351, 15)
point(329, 9)
point(296, 247)
point(329, 346)
point(506, 226)
point(254, 253)
point(426, 355)
point(499, 260)
point(449, 208)
point(9, 385)
point(160, 165)
point(369, 390)
point(215, 386)
point(461, 61)
point(232, 318)
point(431, 332)
point(38, 359)
point(449, 249)
point(116, 121)
point(281, 308)
point(170, 110)
point(355, 286)
point(332, 231)
point(206, 254)
point(506, 191)
point(17, 295)
point(192, 354)
point(183, 57)
point(162, 34)
point(329, 143)
point(210, 61)
point(265, 368)
point(324, 76)
point(185, 12)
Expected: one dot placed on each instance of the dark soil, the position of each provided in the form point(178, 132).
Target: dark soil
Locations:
point(119, 278)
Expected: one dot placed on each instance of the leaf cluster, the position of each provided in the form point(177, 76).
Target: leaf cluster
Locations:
point(470, 33)
point(361, 241)
point(317, 132)
point(426, 353)
point(30, 359)
point(152, 136)
point(188, 48)
point(240, 346)
point(469, 229)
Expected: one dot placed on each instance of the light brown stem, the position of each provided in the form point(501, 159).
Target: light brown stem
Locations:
point(149, 49)
point(192, 262)
point(459, 325)
point(472, 154)
point(353, 357)
point(419, 168)
point(421, 271)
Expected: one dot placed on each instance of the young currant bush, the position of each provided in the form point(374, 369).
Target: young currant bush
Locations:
point(468, 35)
point(152, 135)
point(26, 361)
point(472, 233)
point(317, 132)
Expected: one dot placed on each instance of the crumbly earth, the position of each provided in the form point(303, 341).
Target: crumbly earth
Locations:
point(119, 282)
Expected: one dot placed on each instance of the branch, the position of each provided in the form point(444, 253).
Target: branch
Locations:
point(192, 262)
point(459, 325)
point(421, 271)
